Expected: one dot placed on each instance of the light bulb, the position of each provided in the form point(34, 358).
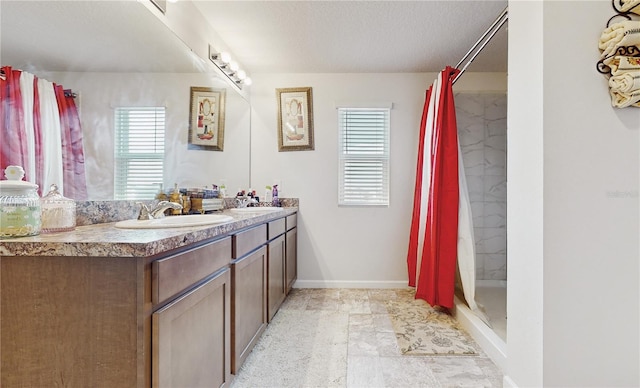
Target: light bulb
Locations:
point(234, 66)
point(247, 81)
point(241, 74)
point(225, 57)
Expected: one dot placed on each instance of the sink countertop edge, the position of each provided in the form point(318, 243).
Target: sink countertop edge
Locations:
point(105, 240)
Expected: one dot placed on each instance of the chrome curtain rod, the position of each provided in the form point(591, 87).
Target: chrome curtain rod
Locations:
point(482, 42)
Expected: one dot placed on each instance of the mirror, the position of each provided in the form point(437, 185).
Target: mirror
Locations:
point(115, 54)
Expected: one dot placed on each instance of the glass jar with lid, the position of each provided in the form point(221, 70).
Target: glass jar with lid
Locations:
point(20, 211)
point(58, 212)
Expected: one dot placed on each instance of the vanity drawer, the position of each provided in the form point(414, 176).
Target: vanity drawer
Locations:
point(248, 240)
point(292, 221)
point(178, 272)
point(276, 228)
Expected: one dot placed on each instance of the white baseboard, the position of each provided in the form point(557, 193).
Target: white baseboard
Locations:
point(350, 284)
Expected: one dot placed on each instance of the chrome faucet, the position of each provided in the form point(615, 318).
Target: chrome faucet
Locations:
point(156, 211)
point(245, 201)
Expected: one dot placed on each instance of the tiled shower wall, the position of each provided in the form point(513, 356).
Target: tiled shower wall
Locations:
point(482, 129)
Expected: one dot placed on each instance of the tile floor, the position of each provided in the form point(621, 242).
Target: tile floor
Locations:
point(344, 338)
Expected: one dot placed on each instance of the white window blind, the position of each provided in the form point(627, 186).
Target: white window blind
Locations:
point(363, 156)
point(139, 151)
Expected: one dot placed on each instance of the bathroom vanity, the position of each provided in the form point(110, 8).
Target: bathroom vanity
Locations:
point(108, 307)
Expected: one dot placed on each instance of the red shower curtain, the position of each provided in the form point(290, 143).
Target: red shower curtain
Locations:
point(72, 151)
point(432, 264)
point(13, 140)
point(37, 134)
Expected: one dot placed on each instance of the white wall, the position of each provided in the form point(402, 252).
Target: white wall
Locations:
point(573, 219)
point(525, 161)
point(346, 246)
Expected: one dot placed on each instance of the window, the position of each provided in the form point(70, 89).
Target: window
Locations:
point(363, 156)
point(139, 152)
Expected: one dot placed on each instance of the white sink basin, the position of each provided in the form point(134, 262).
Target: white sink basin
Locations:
point(256, 210)
point(175, 221)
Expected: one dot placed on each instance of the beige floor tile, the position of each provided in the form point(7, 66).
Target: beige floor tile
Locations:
point(382, 323)
point(387, 344)
point(382, 294)
point(364, 372)
point(407, 372)
point(344, 338)
point(459, 371)
point(361, 323)
point(362, 343)
point(378, 306)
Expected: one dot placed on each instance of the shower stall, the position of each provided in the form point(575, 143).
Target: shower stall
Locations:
point(481, 206)
point(482, 131)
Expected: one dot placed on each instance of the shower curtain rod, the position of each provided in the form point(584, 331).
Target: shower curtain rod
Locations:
point(482, 42)
point(67, 92)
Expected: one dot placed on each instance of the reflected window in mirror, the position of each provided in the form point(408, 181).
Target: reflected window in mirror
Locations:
point(139, 152)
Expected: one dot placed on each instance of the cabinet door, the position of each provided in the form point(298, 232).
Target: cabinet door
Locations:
point(248, 304)
point(191, 337)
point(276, 277)
point(291, 267)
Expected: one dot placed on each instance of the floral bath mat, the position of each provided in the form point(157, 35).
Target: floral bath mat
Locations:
point(422, 330)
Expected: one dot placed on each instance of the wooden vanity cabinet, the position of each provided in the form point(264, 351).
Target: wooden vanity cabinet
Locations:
point(191, 334)
point(184, 318)
point(74, 321)
point(291, 254)
point(248, 292)
point(276, 266)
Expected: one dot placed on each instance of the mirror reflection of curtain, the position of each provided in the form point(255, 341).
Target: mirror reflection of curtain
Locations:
point(41, 132)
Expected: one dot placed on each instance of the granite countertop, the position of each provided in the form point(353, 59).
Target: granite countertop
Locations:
point(105, 240)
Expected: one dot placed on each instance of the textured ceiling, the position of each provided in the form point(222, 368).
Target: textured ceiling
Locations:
point(265, 36)
point(103, 36)
point(357, 36)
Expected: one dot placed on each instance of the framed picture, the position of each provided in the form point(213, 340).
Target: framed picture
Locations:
point(206, 124)
point(295, 119)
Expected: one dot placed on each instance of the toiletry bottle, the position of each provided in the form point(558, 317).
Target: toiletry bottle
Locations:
point(186, 204)
point(274, 195)
point(267, 194)
point(161, 196)
point(176, 197)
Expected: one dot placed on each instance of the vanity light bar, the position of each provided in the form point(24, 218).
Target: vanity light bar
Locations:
point(231, 69)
